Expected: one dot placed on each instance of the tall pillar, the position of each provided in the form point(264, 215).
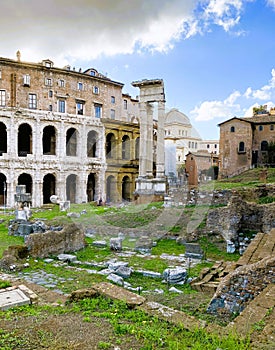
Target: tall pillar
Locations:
point(160, 140)
point(143, 139)
point(149, 141)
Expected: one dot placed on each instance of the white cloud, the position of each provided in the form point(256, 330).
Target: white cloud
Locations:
point(209, 110)
point(66, 30)
point(231, 106)
point(271, 3)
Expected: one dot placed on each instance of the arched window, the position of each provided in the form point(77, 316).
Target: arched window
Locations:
point(24, 140)
point(232, 129)
point(264, 146)
point(137, 148)
point(71, 142)
point(241, 147)
point(125, 147)
point(261, 128)
point(91, 144)
point(111, 189)
point(3, 139)
point(26, 179)
point(71, 188)
point(110, 146)
point(48, 187)
point(126, 188)
point(49, 140)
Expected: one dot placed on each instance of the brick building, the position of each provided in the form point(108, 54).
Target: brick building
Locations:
point(247, 142)
point(58, 131)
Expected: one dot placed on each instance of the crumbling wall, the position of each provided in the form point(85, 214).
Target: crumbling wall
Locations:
point(241, 286)
point(71, 238)
point(239, 216)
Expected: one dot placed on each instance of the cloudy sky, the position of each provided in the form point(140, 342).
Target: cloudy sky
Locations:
point(216, 57)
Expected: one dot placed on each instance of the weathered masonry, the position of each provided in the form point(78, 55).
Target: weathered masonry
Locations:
point(53, 136)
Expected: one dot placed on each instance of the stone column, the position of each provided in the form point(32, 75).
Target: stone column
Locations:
point(143, 140)
point(149, 141)
point(160, 140)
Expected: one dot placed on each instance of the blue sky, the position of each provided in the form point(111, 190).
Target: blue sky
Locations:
point(216, 57)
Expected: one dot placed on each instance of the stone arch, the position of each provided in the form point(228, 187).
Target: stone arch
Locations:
point(264, 146)
point(49, 182)
point(241, 147)
point(137, 142)
point(3, 189)
point(71, 142)
point(91, 187)
point(71, 188)
point(111, 188)
point(3, 138)
point(25, 179)
point(110, 145)
point(24, 140)
point(92, 138)
point(49, 140)
point(126, 188)
point(125, 149)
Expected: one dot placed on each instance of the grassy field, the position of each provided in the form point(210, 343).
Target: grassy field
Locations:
point(112, 323)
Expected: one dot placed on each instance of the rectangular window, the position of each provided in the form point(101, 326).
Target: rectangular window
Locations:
point(98, 110)
point(271, 127)
point(50, 93)
point(50, 108)
point(61, 106)
point(26, 80)
point(79, 108)
point(2, 98)
point(62, 83)
point(113, 99)
point(32, 101)
point(96, 90)
point(113, 114)
point(48, 81)
point(80, 86)
point(125, 104)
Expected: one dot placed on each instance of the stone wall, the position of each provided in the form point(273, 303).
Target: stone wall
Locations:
point(241, 286)
point(70, 239)
point(240, 216)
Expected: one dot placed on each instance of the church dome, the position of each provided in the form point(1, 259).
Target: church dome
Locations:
point(174, 116)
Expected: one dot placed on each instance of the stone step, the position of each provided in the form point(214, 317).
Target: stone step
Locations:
point(255, 312)
point(251, 249)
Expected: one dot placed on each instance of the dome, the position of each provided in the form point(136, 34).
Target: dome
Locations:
point(175, 116)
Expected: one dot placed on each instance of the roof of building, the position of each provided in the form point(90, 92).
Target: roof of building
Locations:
point(175, 116)
point(258, 119)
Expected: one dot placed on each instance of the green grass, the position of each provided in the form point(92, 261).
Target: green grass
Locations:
point(150, 332)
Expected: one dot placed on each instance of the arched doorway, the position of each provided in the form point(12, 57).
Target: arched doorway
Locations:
point(49, 140)
point(91, 187)
point(111, 189)
point(24, 140)
point(71, 188)
point(48, 187)
point(126, 188)
point(91, 144)
point(26, 179)
point(3, 189)
point(71, 142)
point(3, 139)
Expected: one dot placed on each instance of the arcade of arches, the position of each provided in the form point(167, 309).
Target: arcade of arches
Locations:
point(79, 164)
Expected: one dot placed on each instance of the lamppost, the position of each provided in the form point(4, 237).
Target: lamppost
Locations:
point(5, 188)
